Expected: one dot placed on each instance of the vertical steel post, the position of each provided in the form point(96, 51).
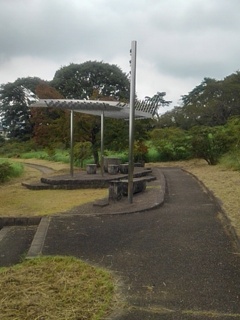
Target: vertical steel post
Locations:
point(71, 143)
point(102, 142)
point(131, 120)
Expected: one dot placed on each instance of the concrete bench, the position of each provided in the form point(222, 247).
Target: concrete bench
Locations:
point(119, 188)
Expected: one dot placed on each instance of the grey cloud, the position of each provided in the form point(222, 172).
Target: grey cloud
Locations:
point(181, 38)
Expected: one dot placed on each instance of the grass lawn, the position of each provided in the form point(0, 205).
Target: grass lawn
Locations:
point(52, 287)
point(67, 288)
point(56, 288)
point(17, 200)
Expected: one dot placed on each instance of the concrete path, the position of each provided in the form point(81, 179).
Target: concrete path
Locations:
point(41, 168)
point(175, 261)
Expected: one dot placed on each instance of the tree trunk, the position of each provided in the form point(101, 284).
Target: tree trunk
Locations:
point(95, 155)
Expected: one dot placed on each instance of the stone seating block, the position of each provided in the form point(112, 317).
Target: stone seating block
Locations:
point(139, 185)
point(119, 188)
point(115, 190)
point(113, 168)
point(108, 160)
point(123, 168)
point(91, 168)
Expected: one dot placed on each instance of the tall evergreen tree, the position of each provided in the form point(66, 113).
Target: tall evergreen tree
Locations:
point(15, 99)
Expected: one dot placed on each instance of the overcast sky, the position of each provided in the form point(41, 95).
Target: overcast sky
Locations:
point(179, 42)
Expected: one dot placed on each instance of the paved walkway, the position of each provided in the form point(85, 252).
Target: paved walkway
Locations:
point(174, 261)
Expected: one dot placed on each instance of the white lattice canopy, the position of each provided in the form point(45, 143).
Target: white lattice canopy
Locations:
point(111, 109)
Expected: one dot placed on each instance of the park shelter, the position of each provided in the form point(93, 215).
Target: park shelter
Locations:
point(109, 109)
point(112, 109)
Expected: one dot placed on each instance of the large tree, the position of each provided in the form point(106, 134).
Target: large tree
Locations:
point(211, 103)
point(91, 80)
point(80, 81)
point(15, 99)
point(50, 125)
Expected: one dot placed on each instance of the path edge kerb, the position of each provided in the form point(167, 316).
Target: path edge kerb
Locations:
point(226, 222)
point(38, 241)
point(19, 221)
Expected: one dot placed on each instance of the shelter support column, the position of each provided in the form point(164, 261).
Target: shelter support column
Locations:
point(131, 120)
point(71, 143)
point(102, 143)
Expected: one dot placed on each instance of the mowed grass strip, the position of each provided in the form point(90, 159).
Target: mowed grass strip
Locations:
point(56, 288)
point(22, 202)
point(17, 200)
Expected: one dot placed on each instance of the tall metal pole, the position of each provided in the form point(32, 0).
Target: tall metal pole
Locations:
point(131, 120)
point(102, 142)
point(71, 143)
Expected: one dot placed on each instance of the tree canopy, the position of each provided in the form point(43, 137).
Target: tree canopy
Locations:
point(91, 80)
point(80, 81)
point(14, 106)
point(50, 125)
point(211, 103)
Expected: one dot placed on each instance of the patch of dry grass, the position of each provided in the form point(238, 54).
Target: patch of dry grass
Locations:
point(16, 200)
point(55, 288)
point(224, 183)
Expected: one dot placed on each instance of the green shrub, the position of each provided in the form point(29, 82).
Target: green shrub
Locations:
point(171, 143)
point(82, 151)
point(5, 171)
point(231, 160)
point(209, 143)
point(41, 154)
point(140, 151)
point(13, 149)
point(9, 170)
point(123, 156)
point(62, 156)
point(152, 154)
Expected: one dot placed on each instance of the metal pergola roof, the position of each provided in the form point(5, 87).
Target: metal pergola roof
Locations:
point(111, 109)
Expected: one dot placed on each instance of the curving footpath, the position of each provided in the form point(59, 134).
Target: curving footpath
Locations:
point(175, 261)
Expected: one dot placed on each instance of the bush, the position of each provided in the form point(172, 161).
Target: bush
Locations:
point(172, 144)
point(209, 143)
point(140, 151)
point(9, 170)
point(13, 149)
point(153, 155)
point(62, 156)
point(82, 151)
point(123, 156)
point(5, 171)
point(231, 160)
